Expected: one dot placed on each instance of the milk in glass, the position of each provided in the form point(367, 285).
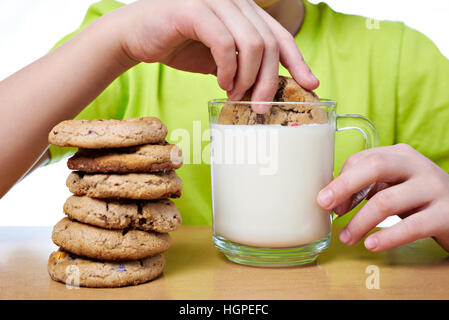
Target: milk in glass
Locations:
point(265, 181)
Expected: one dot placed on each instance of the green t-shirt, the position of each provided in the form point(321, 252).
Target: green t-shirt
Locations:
point(392, 74)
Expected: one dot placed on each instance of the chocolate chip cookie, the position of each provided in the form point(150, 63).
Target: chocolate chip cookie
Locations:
point(84, 272)
point(93, 242)
point(288, 114)
point(157, 215)
point(143, 158)
point(98, 134)
point(140, 186)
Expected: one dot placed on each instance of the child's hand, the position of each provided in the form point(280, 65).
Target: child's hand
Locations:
point(406, 183)
point(204, 35)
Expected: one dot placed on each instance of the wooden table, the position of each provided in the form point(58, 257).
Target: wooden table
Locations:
point(196, 270)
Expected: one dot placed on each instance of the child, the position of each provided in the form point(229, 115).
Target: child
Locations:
point(390, 73)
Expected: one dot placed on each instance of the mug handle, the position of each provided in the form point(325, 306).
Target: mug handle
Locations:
point(371, 136)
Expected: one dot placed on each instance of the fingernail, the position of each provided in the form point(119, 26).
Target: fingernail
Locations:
point(345, 236)
point(326, 198)
point(230, 96)
point(371, 243)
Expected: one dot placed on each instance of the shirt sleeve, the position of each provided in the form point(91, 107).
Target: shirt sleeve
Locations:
point(111, 103)
point(423, 98)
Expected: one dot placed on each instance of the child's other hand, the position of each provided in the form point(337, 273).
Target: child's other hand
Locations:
point(405, 183)
point(204, 35)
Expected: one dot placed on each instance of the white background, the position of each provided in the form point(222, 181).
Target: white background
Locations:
point(29, 28)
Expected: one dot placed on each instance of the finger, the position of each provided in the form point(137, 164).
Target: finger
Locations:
point(364, 194)
point(266, 83)
point(418, 226)
point(205, 28)
point(394, 200)
point(378, 166)
point(199, 58)
point(289, 54)
point(367, 192)
point(249, 44)
point(400, 149)
point(359, 196)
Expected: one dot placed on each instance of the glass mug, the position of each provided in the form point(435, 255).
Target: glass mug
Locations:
point(266, 178)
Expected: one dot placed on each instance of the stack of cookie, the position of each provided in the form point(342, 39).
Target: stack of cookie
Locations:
point(119, 217)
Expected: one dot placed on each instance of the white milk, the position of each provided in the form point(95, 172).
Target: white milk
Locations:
point(265, 184)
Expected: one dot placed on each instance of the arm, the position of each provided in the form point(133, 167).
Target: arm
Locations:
point(197, 36)
point(53, 88)
point(41, 161)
